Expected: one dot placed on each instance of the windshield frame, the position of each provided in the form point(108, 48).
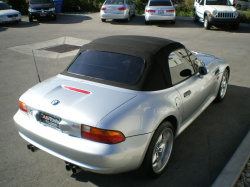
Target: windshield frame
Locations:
point(40, 2)
point(223, 2)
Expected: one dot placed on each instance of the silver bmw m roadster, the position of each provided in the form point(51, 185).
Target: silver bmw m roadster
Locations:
point(120, 104)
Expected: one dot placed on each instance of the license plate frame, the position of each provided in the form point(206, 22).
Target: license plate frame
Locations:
point(160, 11)
point(13, 18)
point(42, 14)
point(111, 10)
point(49, 120)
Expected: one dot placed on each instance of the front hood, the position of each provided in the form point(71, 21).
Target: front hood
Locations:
point(76, 107)
point(220, 8)
point(8, 12)
point(42, 6)
point(205, 58)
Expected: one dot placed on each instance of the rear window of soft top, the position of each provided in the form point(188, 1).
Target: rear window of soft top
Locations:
point(115, 67)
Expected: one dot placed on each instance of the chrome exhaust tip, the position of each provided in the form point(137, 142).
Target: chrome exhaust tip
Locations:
point(68, 166)
point(33, 149)
point(76, 169)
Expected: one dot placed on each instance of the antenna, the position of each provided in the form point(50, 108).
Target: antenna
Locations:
point(36, 67)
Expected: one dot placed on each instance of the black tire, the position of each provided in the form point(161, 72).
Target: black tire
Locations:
point(128, 19)
point(195, 19)
point(30, 19)
point(235, 26)
point(165, 151)
point(146, 22)
point(173, 22)
point(103, 20)
point(54, 18)
point(221, 96)
point(207, 25)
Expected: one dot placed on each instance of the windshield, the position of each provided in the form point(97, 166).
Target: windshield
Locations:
point(114, 2)
point(40, 1)
point(108, 66)
point(3, 6)
point(159, 3)
point(218, 2)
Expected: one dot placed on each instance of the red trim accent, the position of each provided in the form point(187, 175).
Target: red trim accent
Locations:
point(75, 89)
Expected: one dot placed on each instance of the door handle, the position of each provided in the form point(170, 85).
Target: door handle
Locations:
point(187, 94)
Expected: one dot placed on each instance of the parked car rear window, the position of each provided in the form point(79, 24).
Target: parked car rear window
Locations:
point(114, 2)
point(108, 66)
point(218, 2)
point(160, 3)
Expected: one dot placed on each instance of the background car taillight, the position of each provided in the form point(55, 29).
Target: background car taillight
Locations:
point(150, 10)
point(103, 8)
point(121, 9)
point(101, 135)
point(170, 10)
point(23, 107)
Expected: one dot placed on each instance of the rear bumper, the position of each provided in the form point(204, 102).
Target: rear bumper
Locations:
point(113, 15)
point(150, 17)
point(90, 156)
point(218, 21)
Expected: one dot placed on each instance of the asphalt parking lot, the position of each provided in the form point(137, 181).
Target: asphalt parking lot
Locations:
point(200, 152)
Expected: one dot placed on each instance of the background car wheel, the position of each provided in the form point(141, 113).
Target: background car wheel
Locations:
point(159, 150)
point(223, 87)
point(207, 25)
point(235, 26)
point(103, 20)
point(173, 22)
point(30, 19)
point(195, 19)
point(128, 19)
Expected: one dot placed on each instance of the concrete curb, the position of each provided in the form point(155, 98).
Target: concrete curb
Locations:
point(232, 171)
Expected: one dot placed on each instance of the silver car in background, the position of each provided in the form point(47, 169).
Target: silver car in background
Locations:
point(117, 9)
point(120, 104)
point(8, 15)
point(159, 10)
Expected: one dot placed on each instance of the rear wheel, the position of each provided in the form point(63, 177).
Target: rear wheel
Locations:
point(146, 22)
point(195, 19)
point(128, 19)
point(223, 86)
point(30, 19)
point(235, 26)
point(103, 20)
point(173, 22)
point(207, 25)
point(159, 150)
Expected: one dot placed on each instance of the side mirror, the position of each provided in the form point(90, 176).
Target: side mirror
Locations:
point(233, 5)
point(145, 4)
point(203, 70)
point(186, 73)
point(10, 6)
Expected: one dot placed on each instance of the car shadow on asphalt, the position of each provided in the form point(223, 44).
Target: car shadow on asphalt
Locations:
point(200, 152)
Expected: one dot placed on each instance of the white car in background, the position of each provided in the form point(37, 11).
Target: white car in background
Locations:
point(7, 14)
point(117, 9)
point(159, 10)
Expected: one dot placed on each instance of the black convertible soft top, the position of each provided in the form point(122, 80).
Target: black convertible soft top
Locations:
point(154, 51)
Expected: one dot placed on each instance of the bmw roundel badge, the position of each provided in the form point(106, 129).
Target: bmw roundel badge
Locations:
point(55, 102)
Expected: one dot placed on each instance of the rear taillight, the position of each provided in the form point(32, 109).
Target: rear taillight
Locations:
point(233, 1)
point(101, 135)
point(121, 9)
point(103, 8)
point(150, 10)
point(170, 10)
point(23, 107)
